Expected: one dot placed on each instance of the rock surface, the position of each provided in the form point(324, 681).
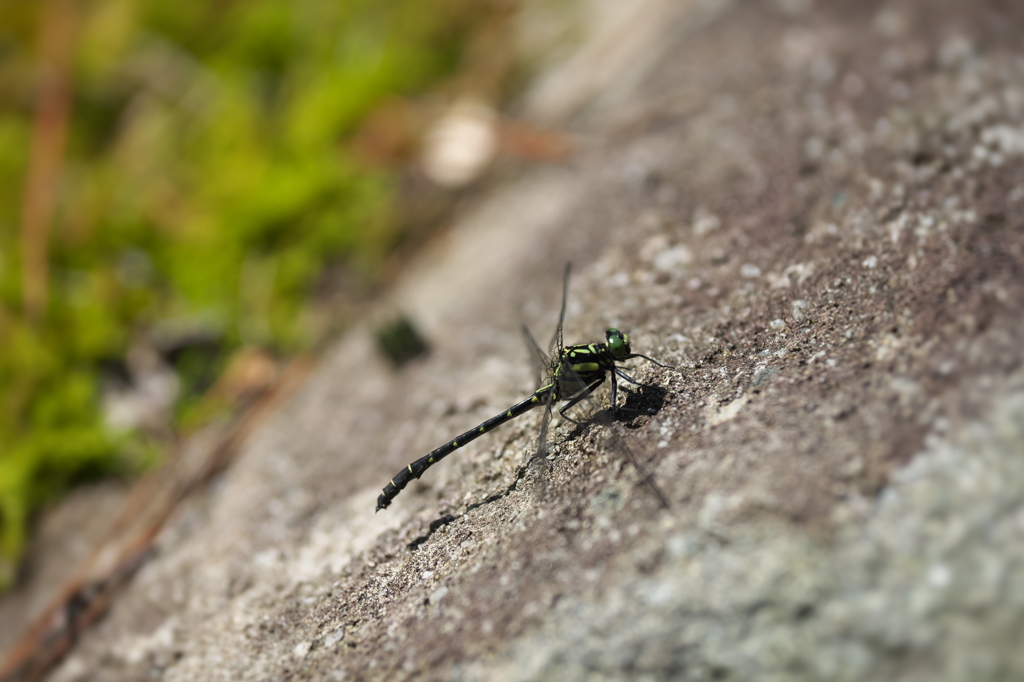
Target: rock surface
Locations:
point(816, 213)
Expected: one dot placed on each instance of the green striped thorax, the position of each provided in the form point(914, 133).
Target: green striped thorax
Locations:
point(589, 362)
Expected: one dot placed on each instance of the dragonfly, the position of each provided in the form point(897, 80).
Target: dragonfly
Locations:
point(572, 373)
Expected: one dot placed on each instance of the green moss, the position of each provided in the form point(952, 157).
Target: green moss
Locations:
point(206, 176)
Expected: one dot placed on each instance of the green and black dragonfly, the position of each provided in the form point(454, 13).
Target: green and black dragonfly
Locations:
point(572, 374)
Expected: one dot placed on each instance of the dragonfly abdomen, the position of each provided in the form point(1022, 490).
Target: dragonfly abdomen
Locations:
point(416, 469)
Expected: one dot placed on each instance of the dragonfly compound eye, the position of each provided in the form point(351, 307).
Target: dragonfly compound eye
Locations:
point(618, 342)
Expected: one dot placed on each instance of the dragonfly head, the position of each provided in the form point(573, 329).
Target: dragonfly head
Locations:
point(618, 343)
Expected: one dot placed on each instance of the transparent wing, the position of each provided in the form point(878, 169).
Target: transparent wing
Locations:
point(556, 345)
point(541, 362)
point(551, 361)
point(617, 442)
point(543, 470)
point(581, 400)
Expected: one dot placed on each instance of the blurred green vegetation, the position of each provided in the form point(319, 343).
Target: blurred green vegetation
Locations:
point(207, 176)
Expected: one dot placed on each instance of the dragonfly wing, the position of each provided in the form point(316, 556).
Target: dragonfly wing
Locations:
point(617, 443)
point(556, 345)
point(541, 362)
point(542, 447)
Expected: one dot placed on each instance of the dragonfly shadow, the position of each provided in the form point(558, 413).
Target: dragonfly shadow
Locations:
point(448, 518)
point(434, 526)
point(647, 400)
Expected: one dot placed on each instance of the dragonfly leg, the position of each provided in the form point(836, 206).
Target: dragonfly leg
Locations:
point(582, 395)
point(641, 355)
point(616, 408)
point(627, 377)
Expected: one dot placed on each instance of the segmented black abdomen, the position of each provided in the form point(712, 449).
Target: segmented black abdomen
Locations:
point(416, 469)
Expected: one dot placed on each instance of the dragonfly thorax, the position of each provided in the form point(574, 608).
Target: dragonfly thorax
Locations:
point(583, 364)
